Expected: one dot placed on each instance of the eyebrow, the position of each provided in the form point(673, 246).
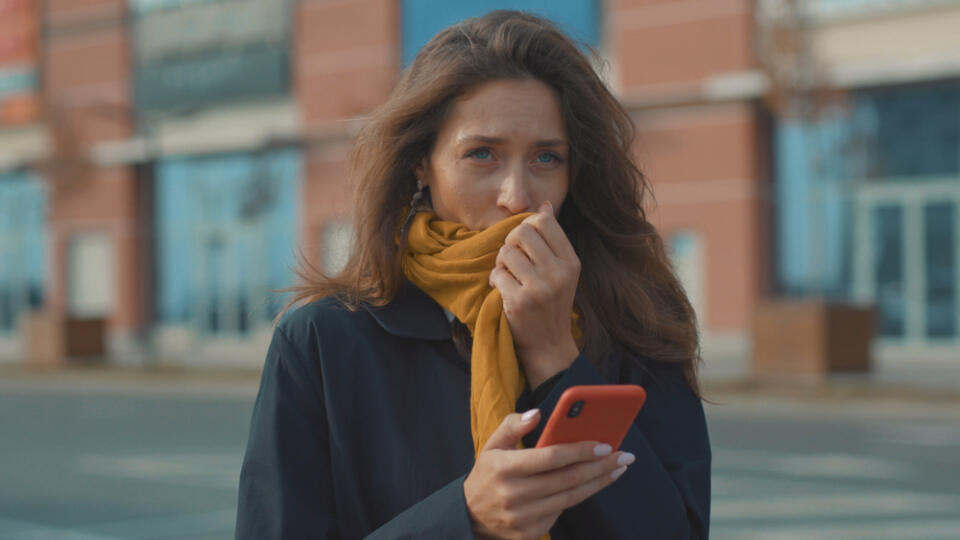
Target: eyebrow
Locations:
point(501, 140)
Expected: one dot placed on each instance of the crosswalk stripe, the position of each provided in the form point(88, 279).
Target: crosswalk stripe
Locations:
point(214, 470)
point(831, 465)
point(862, 504)
point(186, 525)
point(15, 529)
point(915, 529)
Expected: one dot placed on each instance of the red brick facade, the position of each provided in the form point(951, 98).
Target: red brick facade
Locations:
point(704, 155)
point(88, 100)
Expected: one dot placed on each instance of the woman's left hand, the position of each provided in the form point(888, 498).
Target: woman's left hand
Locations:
point(537, 273)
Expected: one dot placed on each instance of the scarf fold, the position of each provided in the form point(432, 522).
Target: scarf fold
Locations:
point(452, 265)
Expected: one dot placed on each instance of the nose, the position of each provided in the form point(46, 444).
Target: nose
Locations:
point(514, 192)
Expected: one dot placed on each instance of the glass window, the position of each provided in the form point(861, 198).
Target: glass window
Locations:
point(888, 269)
point(337, 243)
point(23, 215)
point(194, 54)
point(422, 19)
point(90, 275)
point(686, 254)
point(941, 264)
point(227, 228)
point(814, 211)
point(147, 6)
point(909, 131)
point(833, 8)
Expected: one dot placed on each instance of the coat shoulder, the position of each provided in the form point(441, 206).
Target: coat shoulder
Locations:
point(326, 320)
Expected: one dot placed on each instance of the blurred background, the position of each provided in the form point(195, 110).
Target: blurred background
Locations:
point(163, 162)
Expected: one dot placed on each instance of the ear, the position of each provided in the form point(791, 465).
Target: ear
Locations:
point(420, 171)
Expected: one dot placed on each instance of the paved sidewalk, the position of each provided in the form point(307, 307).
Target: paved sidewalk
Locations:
point(903, 379)
point(894, 378)
point(165, 381)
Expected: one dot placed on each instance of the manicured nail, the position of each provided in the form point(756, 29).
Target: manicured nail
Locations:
point(626, 458)
point(527, 416)
point(602, 450)
point(617, 472)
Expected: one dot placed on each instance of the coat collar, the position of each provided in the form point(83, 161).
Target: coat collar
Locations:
point(412, 314)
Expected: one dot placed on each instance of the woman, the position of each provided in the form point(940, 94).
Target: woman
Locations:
point(502, 256)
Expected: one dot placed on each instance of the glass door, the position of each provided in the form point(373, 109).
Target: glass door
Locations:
point(907, 240)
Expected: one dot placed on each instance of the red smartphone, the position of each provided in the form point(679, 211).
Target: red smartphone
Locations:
point(595, 412)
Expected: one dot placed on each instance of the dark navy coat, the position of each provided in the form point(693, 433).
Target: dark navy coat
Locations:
point(361, 428)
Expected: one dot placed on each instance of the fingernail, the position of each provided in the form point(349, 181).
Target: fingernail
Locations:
point(617, 472)
point(602, 450)
point(626, 458)
point(527, 416)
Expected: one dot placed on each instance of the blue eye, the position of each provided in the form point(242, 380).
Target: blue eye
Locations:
point(551, 157)
point(480, 153)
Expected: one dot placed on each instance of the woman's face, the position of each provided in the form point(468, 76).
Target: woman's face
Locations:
point(502, 151)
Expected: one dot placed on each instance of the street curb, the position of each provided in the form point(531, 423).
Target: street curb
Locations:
point(832, 389)
point(245, 380)
point(159, 381)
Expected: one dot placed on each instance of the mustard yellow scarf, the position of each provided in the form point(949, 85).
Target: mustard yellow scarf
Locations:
point(452, 264)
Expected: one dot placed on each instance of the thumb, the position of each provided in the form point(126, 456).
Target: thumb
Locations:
point(510, 432)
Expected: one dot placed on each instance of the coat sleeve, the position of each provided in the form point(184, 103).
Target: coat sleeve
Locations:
point(665, 494)
point(285, 481)
point(442, 514)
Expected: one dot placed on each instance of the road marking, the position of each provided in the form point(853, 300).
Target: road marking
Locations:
point(932, 435)
point(829, 465)
point(733, 484)
point(767, 495)
point(13, 529)
point(141, 387)
point(917, 529)
point(214, 470)
point(187, 525)
point(859, 504)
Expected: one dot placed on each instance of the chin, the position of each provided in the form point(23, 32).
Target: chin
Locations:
point(490, 223)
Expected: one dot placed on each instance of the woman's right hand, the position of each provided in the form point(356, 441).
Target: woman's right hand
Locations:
point(519, 493)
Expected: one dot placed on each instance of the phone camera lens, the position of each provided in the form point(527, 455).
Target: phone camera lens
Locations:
point(575, 409)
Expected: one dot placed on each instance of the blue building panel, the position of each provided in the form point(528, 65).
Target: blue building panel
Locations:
point(813, 208)
point(227, 229)
point(909, 131)
point(23, 217)
point(422, 19)
point(17, 81)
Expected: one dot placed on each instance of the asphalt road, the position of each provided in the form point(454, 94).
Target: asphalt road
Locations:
point(786, 470)
point(132, 460)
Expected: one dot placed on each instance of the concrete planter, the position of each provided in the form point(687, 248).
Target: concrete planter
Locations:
point(51, 342)
point(85, 338)
point(811, 338)
point(42, 340)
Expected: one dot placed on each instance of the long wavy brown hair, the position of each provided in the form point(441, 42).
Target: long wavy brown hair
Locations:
point(627, 292)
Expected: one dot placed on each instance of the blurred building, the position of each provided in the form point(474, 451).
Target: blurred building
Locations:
point(163, 161)
point(868, 187)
